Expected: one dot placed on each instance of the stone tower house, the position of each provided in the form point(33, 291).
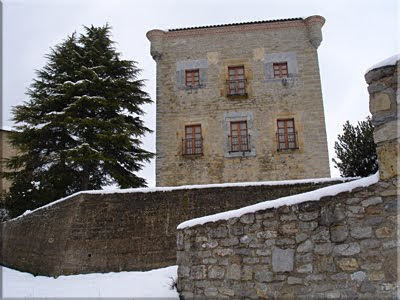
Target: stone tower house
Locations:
point(239, 102)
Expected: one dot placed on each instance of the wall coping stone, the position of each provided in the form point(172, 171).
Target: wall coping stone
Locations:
point(285, 201)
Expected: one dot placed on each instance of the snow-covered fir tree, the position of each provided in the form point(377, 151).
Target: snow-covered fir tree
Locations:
point(81, 126)
point(356, 150)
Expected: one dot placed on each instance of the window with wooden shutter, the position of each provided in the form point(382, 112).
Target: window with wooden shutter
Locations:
point(193, 141)
point(239, 138)
point(280, 70)
point(236, 85)
point(192, 78)
point(286, 135)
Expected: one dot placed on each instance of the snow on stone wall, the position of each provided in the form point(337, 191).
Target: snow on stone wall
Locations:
point(125, 230)
point(337, 242)
point(340, 246)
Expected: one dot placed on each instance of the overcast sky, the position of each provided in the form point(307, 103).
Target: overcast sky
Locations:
point(357, 34)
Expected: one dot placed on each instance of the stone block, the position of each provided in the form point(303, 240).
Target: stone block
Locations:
point(353, 200)
point(340, 276)
point(223, 251)
point(233, 272)
point(376, 276)
point(219, 232)
point(247, 273)
point(198, 272)
point(282, 260)
point(264, 276)
point(348, 264)
point(216, 272)
point(294, 280)
point(226, 291)
point(323, 249)
point(307, 268)
point(285, 241)
point(387, 159)
point(361, 232)
point(372, 201)
point(211, 292)
point(210, 245)
point(251, 260)
point(209, 261)
point(288, 218)
point(183, 271)
point(372, 266)
point(385, 232)
point(369, 244)
point(300, 237)
point(267, 234)
point(316, 277)
point(371, 221)
point(289, 228)
point(233, 241)
point(306, 246)
point(386, 132)
point(358, 276)
point(304, 258)
point(379, 101)
point(339, 233)
point(347, 249)
point(321, 234)
point(332, 214)
point(308, 216)
point(247, 219)
point(246, 239)
point(264, 252)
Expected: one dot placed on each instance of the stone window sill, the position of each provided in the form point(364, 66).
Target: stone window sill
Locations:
point(240, 154)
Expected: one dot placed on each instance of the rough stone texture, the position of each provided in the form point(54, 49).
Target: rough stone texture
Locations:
point(343, 246)
point(346, 260)
point(256, 47)
point(129, 231)
point(383, 86)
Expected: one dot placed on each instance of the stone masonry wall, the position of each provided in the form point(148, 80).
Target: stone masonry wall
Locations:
point(118, 232)
point(256, 46)
point(344, 246)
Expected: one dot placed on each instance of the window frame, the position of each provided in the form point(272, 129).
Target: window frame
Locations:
point(236, 81)
point(193, 139)
point(239, 137)
point(286, 135)
point(280, 70)
point(192, 82)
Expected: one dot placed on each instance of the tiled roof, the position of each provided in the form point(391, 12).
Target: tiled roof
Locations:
point(236, 24)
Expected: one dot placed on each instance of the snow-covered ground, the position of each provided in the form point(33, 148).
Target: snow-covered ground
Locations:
point(154, 283)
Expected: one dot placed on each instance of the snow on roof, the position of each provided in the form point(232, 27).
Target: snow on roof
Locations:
point(391, 61)
point(315, 195)
point(188, 187)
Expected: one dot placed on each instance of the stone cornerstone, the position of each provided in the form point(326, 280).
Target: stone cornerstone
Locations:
point(343, 246)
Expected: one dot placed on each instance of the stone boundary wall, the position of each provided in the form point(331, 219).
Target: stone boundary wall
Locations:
point(341, 246)
point(119, 232)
